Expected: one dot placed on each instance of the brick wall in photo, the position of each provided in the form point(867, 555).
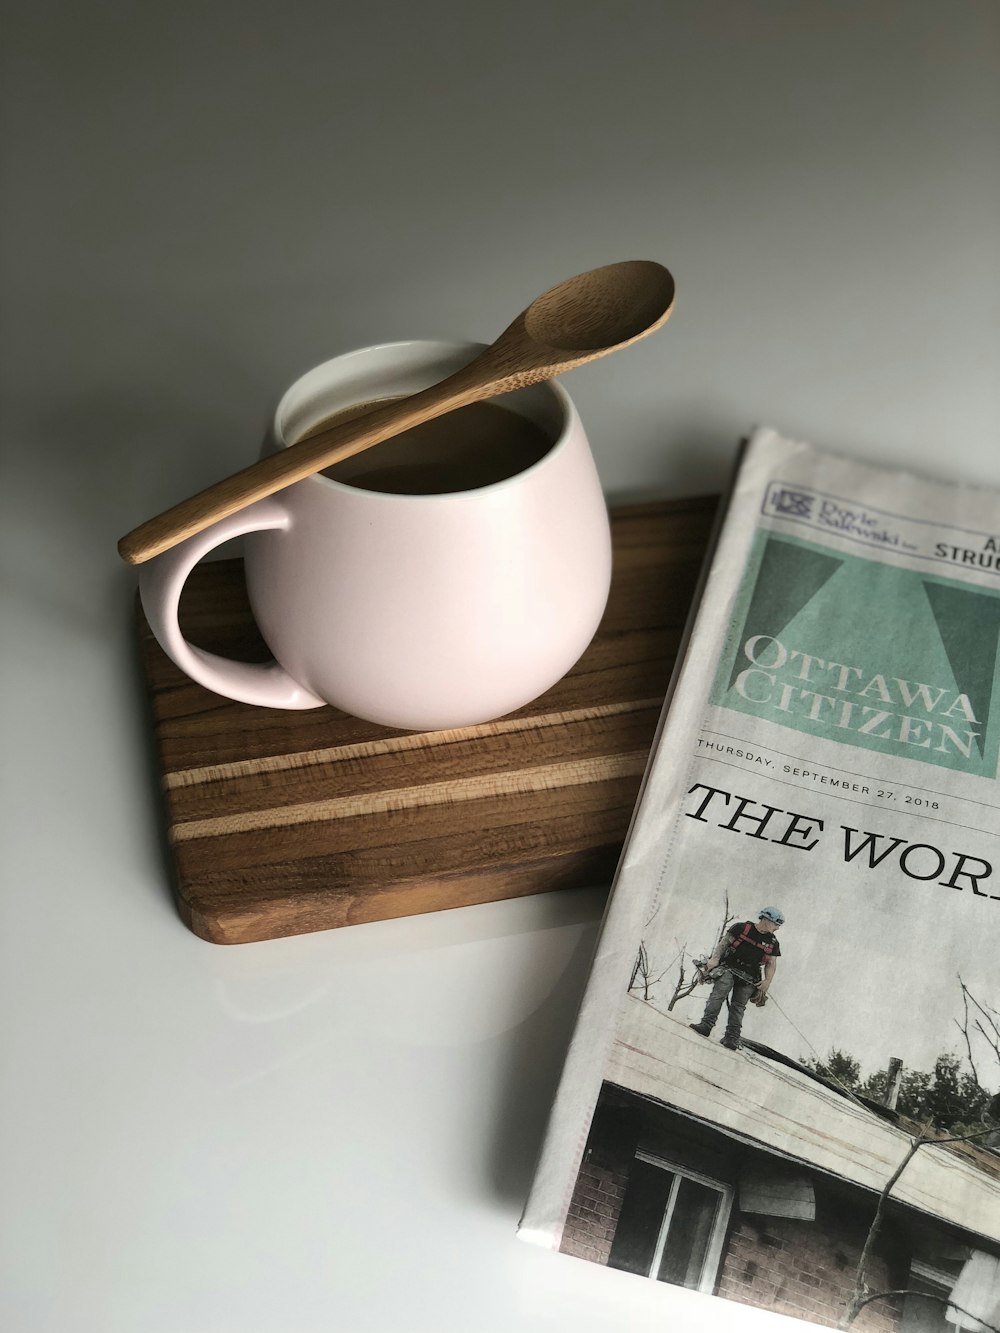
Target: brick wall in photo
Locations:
point(593, 1213)
point(794, 1268)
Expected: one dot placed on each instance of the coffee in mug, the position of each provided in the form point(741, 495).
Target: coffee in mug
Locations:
point(471, 447)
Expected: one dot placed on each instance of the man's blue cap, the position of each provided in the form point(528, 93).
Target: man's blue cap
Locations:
point(774, 914)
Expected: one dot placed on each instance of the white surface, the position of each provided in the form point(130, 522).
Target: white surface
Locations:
point(337, 1132)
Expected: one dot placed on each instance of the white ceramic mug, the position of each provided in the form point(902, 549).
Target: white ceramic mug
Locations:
point(415, 611)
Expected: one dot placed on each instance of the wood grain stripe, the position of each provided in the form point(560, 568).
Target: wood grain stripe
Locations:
point(243, 768)
point(517, 782)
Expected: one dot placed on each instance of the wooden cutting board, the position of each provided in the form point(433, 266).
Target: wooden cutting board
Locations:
point(286, 822)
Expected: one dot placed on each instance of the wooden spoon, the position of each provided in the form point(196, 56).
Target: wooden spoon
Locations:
point(579, 320)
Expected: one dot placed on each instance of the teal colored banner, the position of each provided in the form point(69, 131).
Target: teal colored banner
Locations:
point(866, 654)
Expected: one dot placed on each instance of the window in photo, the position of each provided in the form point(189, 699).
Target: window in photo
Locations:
point(925, 1307)
point(672, 1225)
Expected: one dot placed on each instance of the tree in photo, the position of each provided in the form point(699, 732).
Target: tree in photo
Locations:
point(646, 976)
point(946, 1098)
point(949, 1104)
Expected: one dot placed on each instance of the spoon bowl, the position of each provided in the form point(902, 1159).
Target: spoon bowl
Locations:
point(576, 321)
point(602, 310)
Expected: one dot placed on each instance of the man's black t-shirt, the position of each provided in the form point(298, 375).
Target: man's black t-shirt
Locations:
point(749, 949)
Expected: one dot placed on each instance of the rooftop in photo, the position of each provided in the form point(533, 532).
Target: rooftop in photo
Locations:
point(764, 1097)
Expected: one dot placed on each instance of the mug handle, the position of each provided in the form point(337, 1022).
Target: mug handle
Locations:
point(161, 582)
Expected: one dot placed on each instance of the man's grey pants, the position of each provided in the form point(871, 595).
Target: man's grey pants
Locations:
point(741, 992)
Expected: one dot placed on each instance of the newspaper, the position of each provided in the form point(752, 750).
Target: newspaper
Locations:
point(782, 1087)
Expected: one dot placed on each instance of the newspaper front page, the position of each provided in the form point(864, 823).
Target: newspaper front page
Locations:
point(782, 1088)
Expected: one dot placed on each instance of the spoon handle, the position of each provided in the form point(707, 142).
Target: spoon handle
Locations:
point(321, 448)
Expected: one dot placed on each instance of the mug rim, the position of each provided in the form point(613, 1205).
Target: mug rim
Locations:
point(567, 409)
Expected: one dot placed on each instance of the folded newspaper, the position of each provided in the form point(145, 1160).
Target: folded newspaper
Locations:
point(783, 1085)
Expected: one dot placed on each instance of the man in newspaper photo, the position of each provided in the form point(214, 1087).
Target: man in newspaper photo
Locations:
point(742, 966)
